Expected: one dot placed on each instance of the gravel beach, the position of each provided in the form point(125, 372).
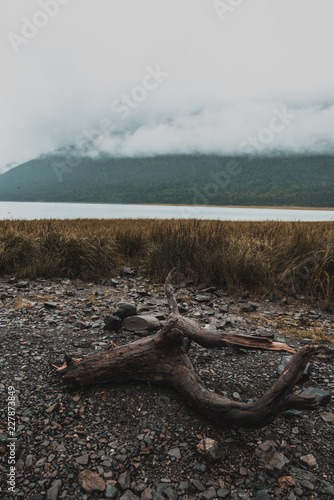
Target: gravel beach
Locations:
point(139, 440)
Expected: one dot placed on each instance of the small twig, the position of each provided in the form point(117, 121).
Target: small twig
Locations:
point(172, 304)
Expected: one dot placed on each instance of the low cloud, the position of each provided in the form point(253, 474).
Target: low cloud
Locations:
point(227, 131)
point(129, 78)
point(257, 129)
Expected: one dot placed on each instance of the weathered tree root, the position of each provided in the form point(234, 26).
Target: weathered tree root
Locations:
point(163, 358)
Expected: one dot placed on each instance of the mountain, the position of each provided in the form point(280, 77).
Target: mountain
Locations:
point(176, 179)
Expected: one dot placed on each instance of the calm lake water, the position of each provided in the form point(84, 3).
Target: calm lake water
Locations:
point(30, 211)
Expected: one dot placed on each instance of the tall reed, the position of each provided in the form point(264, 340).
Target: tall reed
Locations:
point(296, 256)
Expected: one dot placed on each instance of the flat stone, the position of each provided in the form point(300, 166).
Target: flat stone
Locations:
point(320, 395)
point(110, 491)
point(307, 484)
point(124, 480)
point(125, 309)
point(243, 471)
point(267, 335)
point(162, 486)
point(83, 460)
point(267, 445)
point(40, 462)
point(292, 413)
point(139, 488)
point(170, 493)
point(249, 308)
point(146, 494)
point(108, 474)
point(50, 305)
point(210, 289)
point(242, 495)
point(327, 417)
point(210, 493)
point(209, 447)
point(262, 495)
point(222, 493)
point(90, 481)
point(302, 473)
point(202, 299)
point(309, 460)
point(199, 467)
point(198, 485)
point(183, 485)
point(175, 452)
point(29, 460)
point(22, 284)
point(273, 459)
point(52, 493)
point(327, 487)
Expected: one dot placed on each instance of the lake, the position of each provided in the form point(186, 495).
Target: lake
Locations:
point(30, 211)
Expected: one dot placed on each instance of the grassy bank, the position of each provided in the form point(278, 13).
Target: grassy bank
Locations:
point(259, 256)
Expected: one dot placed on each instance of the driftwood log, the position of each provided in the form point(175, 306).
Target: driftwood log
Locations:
point(163, 358)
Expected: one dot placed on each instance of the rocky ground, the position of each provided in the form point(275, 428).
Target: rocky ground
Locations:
point(138, 441)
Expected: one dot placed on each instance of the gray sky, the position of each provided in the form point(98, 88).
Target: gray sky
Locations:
point(166, 76)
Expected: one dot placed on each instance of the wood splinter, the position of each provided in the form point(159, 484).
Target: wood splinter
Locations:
point(163, 357)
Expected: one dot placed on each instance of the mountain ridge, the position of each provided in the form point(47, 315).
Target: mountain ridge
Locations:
point(289, 180)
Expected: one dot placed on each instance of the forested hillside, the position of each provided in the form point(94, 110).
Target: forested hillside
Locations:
point(285, 180)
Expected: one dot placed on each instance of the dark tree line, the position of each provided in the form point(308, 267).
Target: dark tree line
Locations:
point(273, 181)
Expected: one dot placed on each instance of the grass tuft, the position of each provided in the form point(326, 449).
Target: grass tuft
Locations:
point(297, 257)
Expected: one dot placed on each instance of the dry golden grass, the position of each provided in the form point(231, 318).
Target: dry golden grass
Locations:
point(297, 256)
point(302, 329)
point(316, 333)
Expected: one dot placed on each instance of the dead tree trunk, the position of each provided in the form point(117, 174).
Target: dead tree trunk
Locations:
point(163, 357)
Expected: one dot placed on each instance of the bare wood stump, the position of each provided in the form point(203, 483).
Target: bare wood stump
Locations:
point(141, 323)
point(163, 357)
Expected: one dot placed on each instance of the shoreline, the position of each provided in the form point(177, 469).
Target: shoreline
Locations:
point(259, 207)
point(281, 207)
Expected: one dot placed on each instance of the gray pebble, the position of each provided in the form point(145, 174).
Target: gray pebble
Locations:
point(52, 493)
point(110, 491)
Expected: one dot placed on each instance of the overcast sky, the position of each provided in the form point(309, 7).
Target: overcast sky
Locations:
point(143, 77)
